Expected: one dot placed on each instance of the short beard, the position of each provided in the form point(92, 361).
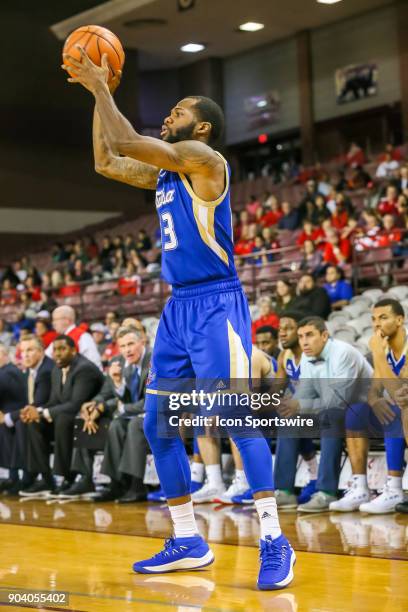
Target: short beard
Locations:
point(185, 133)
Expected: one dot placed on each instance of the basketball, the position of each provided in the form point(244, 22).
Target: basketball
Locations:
point(96, 41)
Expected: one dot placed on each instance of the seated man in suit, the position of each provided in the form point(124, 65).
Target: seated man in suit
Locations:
point(126, 447)
point(12, 397)
point(74, 380)
point(37, 386)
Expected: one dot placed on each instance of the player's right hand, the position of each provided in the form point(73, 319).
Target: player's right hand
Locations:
point(383, 411)
point(115, 82)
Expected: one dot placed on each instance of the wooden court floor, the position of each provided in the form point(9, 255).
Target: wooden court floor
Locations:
point(346, 562)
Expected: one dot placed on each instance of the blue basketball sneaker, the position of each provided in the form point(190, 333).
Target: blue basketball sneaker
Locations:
point(178, 554)
point(156, 496)
point(307, 492)
point(245, 498)
point(277, 560)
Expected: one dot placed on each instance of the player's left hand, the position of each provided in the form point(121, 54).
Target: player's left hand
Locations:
point(288, 408)
point(85, 72)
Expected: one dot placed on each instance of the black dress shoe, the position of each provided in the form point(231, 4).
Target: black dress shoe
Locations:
point(64, 486)
point(13, 488)
point(6, 484)
point(108, 495)
point(402, 507)
point(79, 489)
point(131, 497)
point(40, 488)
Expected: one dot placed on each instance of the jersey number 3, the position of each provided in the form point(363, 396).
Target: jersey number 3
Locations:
point(170, 240)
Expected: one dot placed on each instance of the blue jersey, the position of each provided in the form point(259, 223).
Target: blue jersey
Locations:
point(289, 364)
point(197, 236)
point(397, 365)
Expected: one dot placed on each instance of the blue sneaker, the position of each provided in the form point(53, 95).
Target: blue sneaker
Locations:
point(178, 554)
point(307, 492)
point(245, 498)
point(277, 561)
point(195, 486)
point(156, 496)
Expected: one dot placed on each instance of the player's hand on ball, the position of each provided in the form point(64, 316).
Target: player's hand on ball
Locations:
point(115, 82)
point(85, 72)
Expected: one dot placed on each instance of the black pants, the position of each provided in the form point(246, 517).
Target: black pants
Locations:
point(39, 437)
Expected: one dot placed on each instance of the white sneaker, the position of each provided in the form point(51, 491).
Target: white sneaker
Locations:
point(385, 502)
point(351, 500)
point(235, 488)
point(208, 493)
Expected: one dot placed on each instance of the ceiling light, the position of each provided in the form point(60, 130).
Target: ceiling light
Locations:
point(192, 47)
point(328, 1)
point(251, 26)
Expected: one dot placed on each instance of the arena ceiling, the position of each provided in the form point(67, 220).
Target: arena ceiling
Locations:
point(157, 28)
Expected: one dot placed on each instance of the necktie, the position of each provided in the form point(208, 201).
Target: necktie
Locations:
point(30, 387)
point(134, 385)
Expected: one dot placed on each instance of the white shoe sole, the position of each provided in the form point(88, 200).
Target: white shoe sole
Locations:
point(312, 511)
point(188, 563)
point(389, 511)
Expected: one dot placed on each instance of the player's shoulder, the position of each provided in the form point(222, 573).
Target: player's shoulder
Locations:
point(198, 152)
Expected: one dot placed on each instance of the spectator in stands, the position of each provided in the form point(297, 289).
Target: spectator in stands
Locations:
point(390, 233)
point(11, 276)
point(402, 183)
point(310, 299)
point(369, 238)
point(105, 254)
point(388, 204)
point(43, 328)
point(339, 290)
point(129, 243)
point(112, 348)
point(323, 186)
point(143, 241)
point(5, 334)
point(289, 219)
point(9, 294)
point(352, 229)
point(284, 296)
point(337, 251)
point(320, 212)
point(48, 302)
point(92, 249)
point(267, 316)
point(260, 249)
point(309, 211)
point(340, 213)
point(98, 331)
point(252, 206)
point(126, 446)
point(70, 286)
point(308, 233)
point(79, 251)
point(118, 262)
point(59, 254)
point(111, 316)
point(359, 178)
point(138, 263)
point(63, 320)
point(386, 167)
point(266, 339)
point(57, 279)
point(74, 381)
point(33, 291)
point(80, 274)
point(272, 213)
point(12, 397)
point(19, 271)
point(402, 207)
point(355, 156)
point(312, 258)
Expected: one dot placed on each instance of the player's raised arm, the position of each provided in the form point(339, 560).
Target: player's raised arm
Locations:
point(189, 156)
point(123, 169)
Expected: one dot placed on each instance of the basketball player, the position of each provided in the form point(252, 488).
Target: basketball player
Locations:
point(205, 329)
point(288, 448)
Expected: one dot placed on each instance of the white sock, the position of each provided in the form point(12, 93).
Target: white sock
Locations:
point(214, 475)
point(360, 480)
point(394, 482)
point(268, 517)
point(197, 471)
point(241, 478)
point(312, 467)
point(184, 522)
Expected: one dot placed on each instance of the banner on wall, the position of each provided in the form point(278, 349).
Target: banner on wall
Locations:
point(356, 82)
point(262, 109)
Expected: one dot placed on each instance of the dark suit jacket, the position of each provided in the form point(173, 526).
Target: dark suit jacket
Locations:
point(42, 386)
point(109, 395)
point(83, 381)
point(13, 392)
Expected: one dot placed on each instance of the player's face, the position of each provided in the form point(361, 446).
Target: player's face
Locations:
point(180, 124)
point(131, 347)
point(266, 342)
point(385, 321)
point(288, 333)
point(311, 340)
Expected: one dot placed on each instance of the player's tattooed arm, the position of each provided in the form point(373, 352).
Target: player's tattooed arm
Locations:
point(123, 169)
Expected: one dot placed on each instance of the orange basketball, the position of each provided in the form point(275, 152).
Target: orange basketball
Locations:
point(96, 41)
